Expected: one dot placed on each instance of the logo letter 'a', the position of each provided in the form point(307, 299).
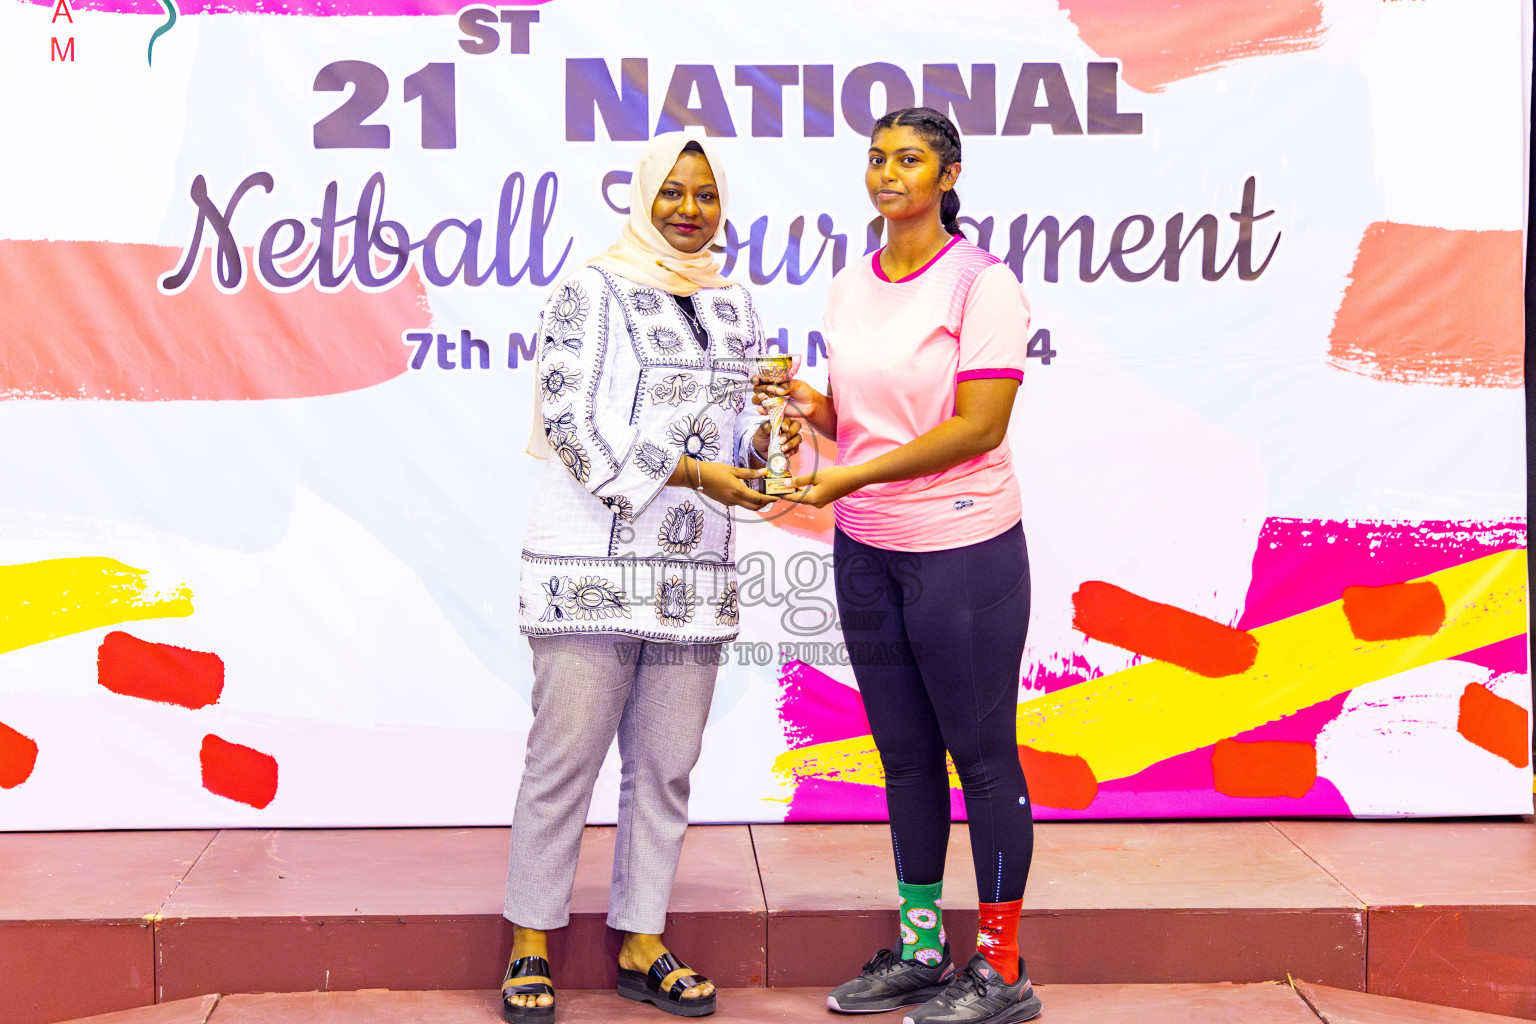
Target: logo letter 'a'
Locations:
point(62, 7)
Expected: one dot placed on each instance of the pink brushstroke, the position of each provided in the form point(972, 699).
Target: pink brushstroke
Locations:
point(301, 8)
point(1163, 41)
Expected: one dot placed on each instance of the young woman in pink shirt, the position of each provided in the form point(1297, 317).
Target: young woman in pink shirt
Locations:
point(926, 343)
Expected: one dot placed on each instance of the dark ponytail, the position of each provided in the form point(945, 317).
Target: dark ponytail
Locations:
point(944, 139)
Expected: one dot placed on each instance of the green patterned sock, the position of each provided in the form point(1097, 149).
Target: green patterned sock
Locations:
point(922, 922)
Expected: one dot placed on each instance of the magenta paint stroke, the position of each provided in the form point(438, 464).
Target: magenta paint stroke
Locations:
point(297, 8)
point(1298, 565)
point(1057, 672)
point(818, 800)
point(815, 708)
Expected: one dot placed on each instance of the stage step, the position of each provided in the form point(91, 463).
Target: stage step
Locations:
point(1064, 1004)
point(1341, 1006)
point(1443, 912)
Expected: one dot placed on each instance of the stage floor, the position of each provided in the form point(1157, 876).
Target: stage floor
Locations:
point(1272, 1003)
point(1441, 912)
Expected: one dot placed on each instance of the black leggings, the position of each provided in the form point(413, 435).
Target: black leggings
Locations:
point(936, 639)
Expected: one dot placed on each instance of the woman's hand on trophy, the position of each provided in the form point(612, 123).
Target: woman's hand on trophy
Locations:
point(727, 485)
point(799, 397)
point(789, 438)
point(825, 485)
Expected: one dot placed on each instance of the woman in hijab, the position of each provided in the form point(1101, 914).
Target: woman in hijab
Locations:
point(628, 574)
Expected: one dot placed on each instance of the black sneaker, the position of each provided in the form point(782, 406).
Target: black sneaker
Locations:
point(978, 995)
point(889, 982)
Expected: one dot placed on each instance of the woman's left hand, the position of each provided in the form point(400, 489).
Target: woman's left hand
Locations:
point(824, 486)
point(789, 438)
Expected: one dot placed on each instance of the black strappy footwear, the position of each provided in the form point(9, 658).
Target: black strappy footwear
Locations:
point(645, 987)
point(511, 985)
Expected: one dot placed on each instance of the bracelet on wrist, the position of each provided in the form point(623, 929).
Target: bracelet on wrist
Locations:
point(698, 476)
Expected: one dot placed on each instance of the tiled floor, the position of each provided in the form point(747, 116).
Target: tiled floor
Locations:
point(76, 918)
point(1107, 903)
point(94, 922)
point(1271, 1003)
point(1451, 906)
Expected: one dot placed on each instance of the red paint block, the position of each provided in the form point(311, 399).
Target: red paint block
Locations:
point(1106, 612)
point(238, 772)
point(1395, 611)
point(1058, 780)
point(18, 756)
point(1266, 768)
point(159, 672)
point(1497, 725)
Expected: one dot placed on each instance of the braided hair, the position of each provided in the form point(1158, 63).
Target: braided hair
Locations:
point(944, 139)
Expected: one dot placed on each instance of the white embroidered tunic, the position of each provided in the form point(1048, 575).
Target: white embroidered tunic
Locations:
point(626, 391)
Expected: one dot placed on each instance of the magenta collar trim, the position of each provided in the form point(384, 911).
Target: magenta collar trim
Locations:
point(919, 271)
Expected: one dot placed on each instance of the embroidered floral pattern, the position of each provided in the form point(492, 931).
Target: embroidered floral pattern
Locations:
point(559, 425)
point(621, 507)
point(559, 379)
point(666, 339)
point(593, 597)
point(728, 394)
point(727, 609)
point(554, 599)
point(555, 342)
point(725, 311)
point(737, 344)
point(646, 301)
point(681, 529)
point(674, 602)
point(696, 436)
point(652, 458)
point(675, 389)
point(568, 311)
point(573, 455)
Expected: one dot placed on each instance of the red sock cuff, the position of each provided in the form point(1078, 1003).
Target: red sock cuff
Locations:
point(997, 937)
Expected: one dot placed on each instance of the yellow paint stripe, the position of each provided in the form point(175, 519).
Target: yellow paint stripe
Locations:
point(44, 600)
point(1125, 722)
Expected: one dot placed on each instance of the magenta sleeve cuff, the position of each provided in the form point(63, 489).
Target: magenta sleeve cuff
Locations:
point(987, 374)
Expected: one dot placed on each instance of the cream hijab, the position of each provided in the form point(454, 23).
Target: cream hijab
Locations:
point(642, 254)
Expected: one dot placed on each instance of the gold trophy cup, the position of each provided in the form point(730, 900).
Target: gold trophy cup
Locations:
point(775, 369)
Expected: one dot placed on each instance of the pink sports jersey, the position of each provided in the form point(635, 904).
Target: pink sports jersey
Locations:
point(896, 350)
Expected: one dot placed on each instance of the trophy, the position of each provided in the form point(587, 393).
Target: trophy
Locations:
point(775, 369)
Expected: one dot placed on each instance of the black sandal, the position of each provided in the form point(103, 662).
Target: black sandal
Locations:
point(645, 987)
point(527, 967)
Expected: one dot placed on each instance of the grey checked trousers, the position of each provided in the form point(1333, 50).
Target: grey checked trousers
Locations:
point(587, 688)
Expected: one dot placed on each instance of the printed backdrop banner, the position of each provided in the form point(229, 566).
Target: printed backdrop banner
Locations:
point(270, 274)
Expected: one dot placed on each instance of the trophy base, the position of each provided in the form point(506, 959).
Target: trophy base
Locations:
point(779, 485)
